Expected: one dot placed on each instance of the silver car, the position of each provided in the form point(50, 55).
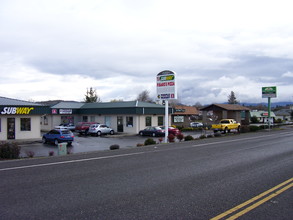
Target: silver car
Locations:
point(98, 129)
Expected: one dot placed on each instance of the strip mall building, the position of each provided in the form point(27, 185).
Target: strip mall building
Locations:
point(21, 120)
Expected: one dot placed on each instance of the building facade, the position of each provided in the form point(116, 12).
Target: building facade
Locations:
point(20, 120)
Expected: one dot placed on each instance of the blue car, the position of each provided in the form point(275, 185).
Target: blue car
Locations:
point(58, 136)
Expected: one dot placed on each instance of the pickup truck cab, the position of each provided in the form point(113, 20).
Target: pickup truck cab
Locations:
point(226, 125)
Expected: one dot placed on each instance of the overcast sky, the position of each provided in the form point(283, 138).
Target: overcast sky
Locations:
point(56, 49)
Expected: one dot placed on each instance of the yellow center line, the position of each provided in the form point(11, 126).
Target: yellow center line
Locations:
point(230, 211)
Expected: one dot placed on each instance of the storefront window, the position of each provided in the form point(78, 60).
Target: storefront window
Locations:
point(148, 121)
point(25, 124)
point(160, 120)
point(129, 121)
point(84, 118)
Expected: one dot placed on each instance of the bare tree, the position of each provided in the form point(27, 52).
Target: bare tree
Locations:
point(144, 96)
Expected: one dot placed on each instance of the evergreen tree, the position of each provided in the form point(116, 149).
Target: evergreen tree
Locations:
point(91, 96)
point(232, 98)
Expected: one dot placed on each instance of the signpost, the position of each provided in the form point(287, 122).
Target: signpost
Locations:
point(166, 89)
point(269, 92)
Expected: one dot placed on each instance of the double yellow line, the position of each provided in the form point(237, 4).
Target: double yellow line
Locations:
point(256, 201)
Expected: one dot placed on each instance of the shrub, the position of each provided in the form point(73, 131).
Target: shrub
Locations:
point(217, 135)
point(51, 153)
point(149, 141)
point(9, 150)
point(139, 145)
point(171, 138)
point(263, 127)
point(160, 140)
point(202, 136)
point(210, 136)
point(254, 119)
point(253, 128)
point(188, 138)
point(180, 137)
point(187, 129)
point(244, 129)
point(114, 147)
point(30, 154)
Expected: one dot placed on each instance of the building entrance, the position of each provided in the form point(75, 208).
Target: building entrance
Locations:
point(10, 128)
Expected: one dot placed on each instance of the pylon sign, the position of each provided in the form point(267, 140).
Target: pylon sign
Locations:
point(166, 85)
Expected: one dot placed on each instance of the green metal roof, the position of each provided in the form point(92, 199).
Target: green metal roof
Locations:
point(15, 102)
point(127, 104)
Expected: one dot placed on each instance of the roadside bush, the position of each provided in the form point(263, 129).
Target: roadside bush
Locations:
point(253, 128)
point(114, 147)
point(160, 140)
point(210, 136)
point(254, 119)
point(30, 154)
point(187, 129)
point(202, 136)
point(171, 138)
point(9, 150)
point(139, 145)
point(180, 137)
point(263, 127)
point(51, 153)
point(244, 129)
point(149, 141)
point(188, 138)
point(217, 135)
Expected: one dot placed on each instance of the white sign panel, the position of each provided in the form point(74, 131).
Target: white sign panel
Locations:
point(166, 85)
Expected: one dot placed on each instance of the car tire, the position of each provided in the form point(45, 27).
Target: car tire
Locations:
point(154, 134)
point(225, 130)
point(141, 133)
point(56, 142)
point(111, 132)
point(99, 133)
point(44, 140)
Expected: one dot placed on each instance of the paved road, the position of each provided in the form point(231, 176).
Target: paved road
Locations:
point(189, 180)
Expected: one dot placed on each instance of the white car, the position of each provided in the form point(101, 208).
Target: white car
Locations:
point(98, 129)
point(66, 126)
point(196, 124)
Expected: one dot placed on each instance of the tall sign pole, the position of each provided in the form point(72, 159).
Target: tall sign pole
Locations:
point(166, 90)
point(269, 92)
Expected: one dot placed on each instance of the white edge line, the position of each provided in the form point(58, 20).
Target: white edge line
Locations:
point(69, 161)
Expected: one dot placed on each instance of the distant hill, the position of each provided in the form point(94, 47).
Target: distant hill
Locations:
point(273, 104)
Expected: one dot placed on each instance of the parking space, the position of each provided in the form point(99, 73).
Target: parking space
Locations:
point(89, 143)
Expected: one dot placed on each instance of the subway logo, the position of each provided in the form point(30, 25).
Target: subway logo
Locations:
point(16, 110)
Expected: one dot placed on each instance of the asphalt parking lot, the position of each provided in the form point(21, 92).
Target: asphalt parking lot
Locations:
point(84, 144)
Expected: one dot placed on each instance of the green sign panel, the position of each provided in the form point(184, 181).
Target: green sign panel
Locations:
point(269, 92)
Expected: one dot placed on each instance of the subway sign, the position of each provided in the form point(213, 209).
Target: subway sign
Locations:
point(16, 110)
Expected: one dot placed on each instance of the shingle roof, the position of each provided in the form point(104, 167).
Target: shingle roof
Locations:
point(229, 107)
point(188, 110)
point(15, 102)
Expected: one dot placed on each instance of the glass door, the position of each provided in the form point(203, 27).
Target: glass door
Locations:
point(120, 123)
point(10, 128)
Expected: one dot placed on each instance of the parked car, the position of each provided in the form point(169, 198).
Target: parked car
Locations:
point(196, 124)
point(57, 136)
point(152, 131)
point(172, 130)
point(65, 126)
point(83, 127)
point(98, 129)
